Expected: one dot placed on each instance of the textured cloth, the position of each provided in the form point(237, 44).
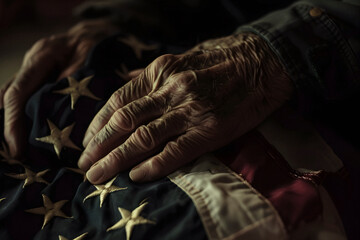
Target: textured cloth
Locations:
point(246, 190)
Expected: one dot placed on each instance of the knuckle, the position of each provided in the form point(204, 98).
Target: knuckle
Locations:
point(184, 81)
point(172, 149)
point(145, 138)
point(158, 165)
point(105, 133)
point(117, 99)
point(122, 120)
point(12, 94)
point(189, 77)
point(165, 59)
point(160, 123)
point(160, 69)
point(156, 101)
point(114, 159)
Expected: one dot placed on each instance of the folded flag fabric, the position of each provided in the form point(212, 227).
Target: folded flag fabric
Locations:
point(246, 190)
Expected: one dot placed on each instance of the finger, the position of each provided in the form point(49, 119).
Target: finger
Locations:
point(134, 73)
point(129, 92)
point(149, 80)
point(3, 91)
point(176, 153)
point(29, 78)
point(121, 124)
point(14, 125)
point(144, 142)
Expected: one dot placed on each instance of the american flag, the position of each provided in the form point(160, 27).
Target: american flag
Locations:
point(275, 182)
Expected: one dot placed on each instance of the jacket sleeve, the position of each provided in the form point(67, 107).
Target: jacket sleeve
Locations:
point(318, 43)
point(176, 22)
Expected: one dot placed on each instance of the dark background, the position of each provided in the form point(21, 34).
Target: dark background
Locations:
point(22, 22)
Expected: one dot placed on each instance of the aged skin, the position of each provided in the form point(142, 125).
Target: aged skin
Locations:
point(64, 53)
point(182, 106)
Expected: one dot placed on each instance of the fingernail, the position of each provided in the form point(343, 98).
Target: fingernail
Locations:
point(137, 174)
point(95, 173)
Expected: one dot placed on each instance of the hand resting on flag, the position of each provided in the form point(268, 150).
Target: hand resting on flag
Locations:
point(182, 106)
point(56, 57)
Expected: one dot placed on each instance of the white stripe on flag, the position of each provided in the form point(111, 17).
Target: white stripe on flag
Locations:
point(228, 206)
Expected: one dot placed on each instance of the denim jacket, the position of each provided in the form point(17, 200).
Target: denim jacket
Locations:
point(318, 41)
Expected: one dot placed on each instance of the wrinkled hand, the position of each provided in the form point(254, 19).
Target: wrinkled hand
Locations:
point(182, 106)
point(59, 54)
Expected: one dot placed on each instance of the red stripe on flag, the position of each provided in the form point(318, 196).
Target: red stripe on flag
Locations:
point(293, 194)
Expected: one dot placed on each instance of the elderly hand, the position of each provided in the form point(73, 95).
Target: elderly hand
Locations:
point(59, 54)
point(182, 106)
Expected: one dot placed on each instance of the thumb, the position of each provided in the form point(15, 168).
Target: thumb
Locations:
point(31, 75)
point(14, 125)
point(3, 91)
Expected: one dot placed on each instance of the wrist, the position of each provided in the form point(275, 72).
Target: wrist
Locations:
point(264, 73)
